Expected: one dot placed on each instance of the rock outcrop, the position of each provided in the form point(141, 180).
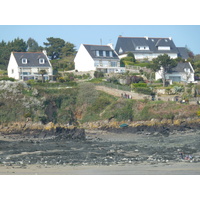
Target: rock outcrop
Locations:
point(38, 130)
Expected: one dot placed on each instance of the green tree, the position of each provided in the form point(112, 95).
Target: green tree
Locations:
point(54, 47)
point(42, 72)
point(32, 45)
point(165, 64)
point(4, 55)
point(17, 45)
point(68, 49)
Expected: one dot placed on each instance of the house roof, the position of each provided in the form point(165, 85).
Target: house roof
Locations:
point(93, 48)
point(182, 52)
point(32, 59)
point(129, 44)
point(182, 66)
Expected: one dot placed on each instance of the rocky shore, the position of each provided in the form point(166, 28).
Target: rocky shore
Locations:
point(55, 145)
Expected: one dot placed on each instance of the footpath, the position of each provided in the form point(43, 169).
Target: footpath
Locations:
point(118, 93)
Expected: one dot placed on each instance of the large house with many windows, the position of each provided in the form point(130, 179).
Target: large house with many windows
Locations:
point(147, 48)
point(28, 65)
point(97, 58)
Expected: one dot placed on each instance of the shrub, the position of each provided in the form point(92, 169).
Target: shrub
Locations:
point(98, 74)
point(5, 78)
point(136, 85)
point(144, 90)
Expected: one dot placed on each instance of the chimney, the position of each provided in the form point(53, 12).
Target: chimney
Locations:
point(111, 46)
point(146, 37)
point(44, 52)
point(170, 38)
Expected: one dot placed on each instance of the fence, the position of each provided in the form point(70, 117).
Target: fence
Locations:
point(115, 86)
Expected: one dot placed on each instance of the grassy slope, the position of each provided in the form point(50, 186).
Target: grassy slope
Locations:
point(61, 106)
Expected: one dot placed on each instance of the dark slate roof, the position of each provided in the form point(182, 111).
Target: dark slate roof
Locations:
point(181, 67)
point(128, 44)
point(93, 48)
point(32, 59)
point(182, 52)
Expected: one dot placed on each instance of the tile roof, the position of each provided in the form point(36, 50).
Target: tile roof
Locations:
point(93, 48)
point(32, 59)
point(182, 66)
point(128, 44)
point(182, 52)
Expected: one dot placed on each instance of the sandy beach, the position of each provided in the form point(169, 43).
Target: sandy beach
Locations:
point(141, 169)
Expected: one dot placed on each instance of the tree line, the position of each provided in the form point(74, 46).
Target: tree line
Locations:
point(60, 53)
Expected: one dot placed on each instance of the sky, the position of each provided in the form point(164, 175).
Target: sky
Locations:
point(182, 35)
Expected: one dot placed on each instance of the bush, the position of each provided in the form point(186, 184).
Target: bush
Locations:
point(5, 78)
point(136, 85)
point(144, 90)
point(98, 74)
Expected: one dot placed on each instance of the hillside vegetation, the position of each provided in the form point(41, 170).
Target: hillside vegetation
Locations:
point(79, 104)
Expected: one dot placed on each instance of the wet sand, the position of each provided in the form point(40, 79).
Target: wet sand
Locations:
point(140, 169)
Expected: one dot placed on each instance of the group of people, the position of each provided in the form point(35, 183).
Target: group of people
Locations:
point(185, 157)
point(126, 96)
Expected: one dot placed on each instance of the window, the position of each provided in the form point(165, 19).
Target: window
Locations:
point(120, 50)
point(113, 64)
point(104, 53)
point(41, 61)
point(24, 61)
point(12, 71)
point(97, 53)
point(111, 54)
point(107, 54)
point(100, 53)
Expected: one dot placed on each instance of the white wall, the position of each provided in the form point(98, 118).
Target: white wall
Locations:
point(83, 60)
point(140, 56)
point(12, 69)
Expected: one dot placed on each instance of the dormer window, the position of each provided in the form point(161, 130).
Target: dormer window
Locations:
point(41, 61)
point(111, 54)
point(120, 50)
point(24, 61)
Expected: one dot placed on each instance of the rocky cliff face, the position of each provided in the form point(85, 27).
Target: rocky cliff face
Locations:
point(38, 130)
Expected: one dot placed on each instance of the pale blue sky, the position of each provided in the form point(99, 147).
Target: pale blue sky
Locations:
point(92, 34)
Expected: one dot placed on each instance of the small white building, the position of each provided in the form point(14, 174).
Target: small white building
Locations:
point(97, 58)
point(27, 65)
point(183, 72)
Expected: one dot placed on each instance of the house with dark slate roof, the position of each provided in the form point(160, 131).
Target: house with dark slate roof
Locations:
point(97, 58)
point(27, 65)
point(148, 47)
point(183, 72)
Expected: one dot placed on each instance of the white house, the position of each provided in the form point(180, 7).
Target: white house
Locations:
point(27, 65)
point(183, 72)
point(97, 58)
point(147, 48)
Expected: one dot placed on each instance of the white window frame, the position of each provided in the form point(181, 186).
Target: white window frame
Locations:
point(24, 60)
point(41, 61)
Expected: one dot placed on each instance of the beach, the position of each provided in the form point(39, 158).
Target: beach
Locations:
point(102, 153)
